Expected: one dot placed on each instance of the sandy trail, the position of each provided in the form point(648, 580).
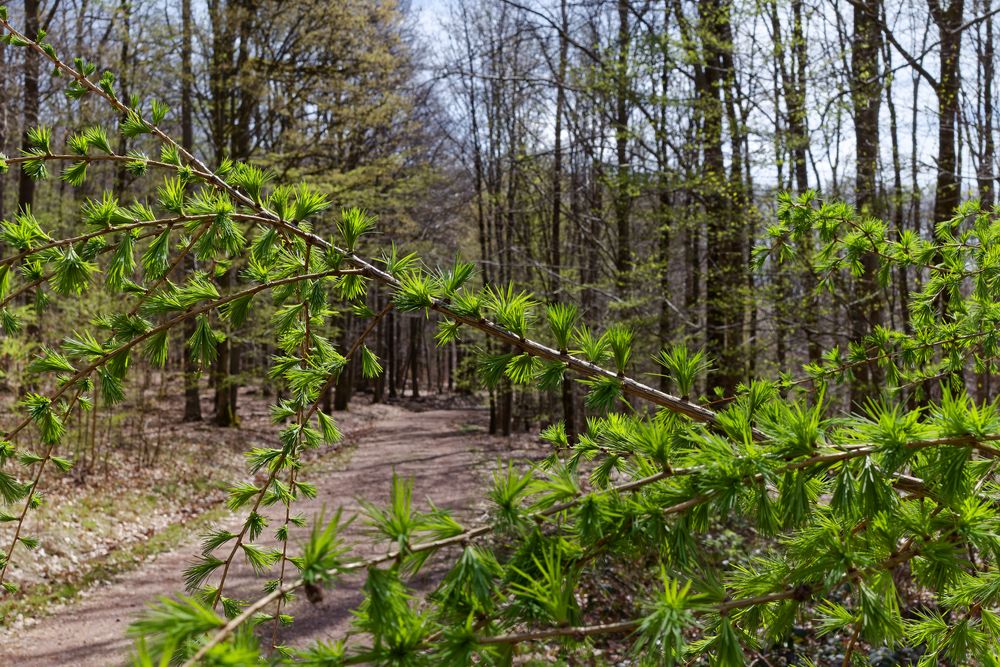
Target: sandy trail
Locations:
point(445, 451)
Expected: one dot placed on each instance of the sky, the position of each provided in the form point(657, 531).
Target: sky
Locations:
point(430, 15)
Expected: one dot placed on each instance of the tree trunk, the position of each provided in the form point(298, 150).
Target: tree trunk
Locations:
point(392, 354)
point(223, 409)
point(192, 395)
point(415, 356)
point(344, 387)
point(864, 312)
point(664, 199)
point(986, 177)
point(4, 121)
point(724, 260)
point(797, 114)
point(378, 385)
point(949, 21)
point(902, 274)
point(623, 198)
point(234, 97)
point(30, 104)
point(557, 158)
point(125, 10)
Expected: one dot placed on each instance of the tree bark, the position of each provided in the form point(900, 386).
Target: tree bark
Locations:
point(392, 355)
point(124, 74)
point(192, 394)
point(415, 356)
point(725, 279)
point(557, 158)
point(949, 21)
point(4, 125)
point(986, 176)
point(344, 387)
point(234, 98)
point(623, 197)
point(664, 199)
point(866, 95)
point(30, 104)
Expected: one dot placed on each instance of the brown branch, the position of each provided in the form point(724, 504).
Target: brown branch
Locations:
point(101, 232)
point(89, 159)
point(31, 491)
point(173, 266)
point(549, 633)
point(45, 277)
point(851, 645)
point(800, 593)
point(905, 552)
point(284, 455)
point(304, 351)
point(125, 347)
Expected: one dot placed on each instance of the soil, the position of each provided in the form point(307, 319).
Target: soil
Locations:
point(444, 449)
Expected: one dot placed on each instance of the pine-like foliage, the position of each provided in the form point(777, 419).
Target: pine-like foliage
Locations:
point(852, 511)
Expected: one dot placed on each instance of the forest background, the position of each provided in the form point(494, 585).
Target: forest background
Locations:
point(622, 155)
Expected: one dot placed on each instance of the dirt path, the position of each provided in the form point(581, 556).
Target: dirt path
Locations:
point(445, 451)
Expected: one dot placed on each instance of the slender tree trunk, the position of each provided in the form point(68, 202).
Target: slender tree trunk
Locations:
point(557, 159)
point(692, 281)
point(378, 385)
point(220, 78)
point(797, 113)
point(235, 368)
point(245, 93)
point(596, 219)
point(986, 176)
point(223, 412)
point(782, 287)
point(124, 74)
point(898, 214)
point(741, 356)
point(192, 395)
point(392, 355)
point(568, 411)
point(452, 365)
point(30, 103)
point(866, 98)
point(234, 98)
point(725, 279)
point(949, 21)
point(415, 326)
point(666, 319)
point(344, 388)
point(865, 311)
point(4, 125)
point(664, 199)
point(623, 198)
point(240, 149)
point(915, 198)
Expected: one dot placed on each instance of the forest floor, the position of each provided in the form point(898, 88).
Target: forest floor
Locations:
point(113, 547)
